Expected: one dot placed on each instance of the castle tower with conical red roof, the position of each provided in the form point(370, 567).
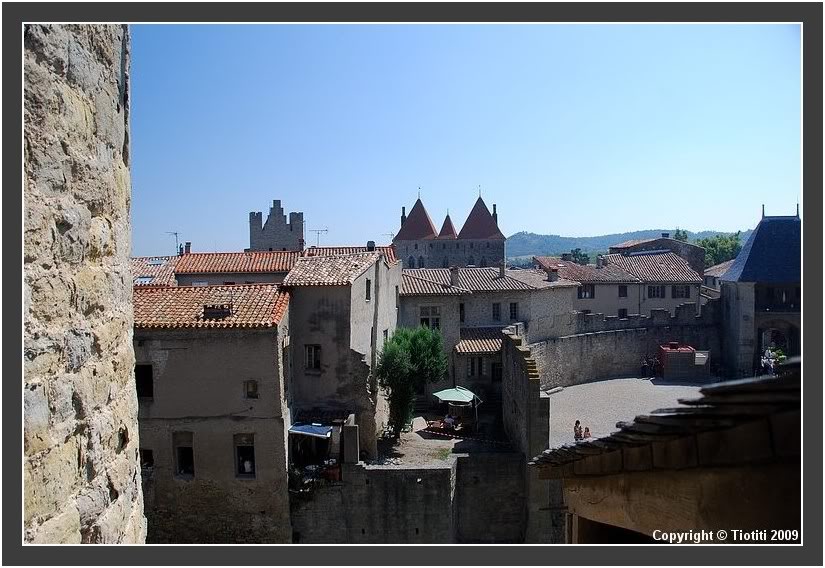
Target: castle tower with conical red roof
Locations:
point(479, 243)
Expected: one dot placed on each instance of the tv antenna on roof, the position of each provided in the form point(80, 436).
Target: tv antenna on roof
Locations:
point(177, 244)
point(390, 235)
point(318, 234)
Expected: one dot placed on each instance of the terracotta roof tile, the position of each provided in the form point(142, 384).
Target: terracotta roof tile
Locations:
point(236, 262)
point(339, 270)
point(538, 278)
point(480, 224)
point(388, 250)
point(414, 285)
point(589, 273)
point(719, 269)
point(478, 340)
point(632, 243)
point(664, 267)
point(473, 279)
point(417, 226)
point(175, 307)
point(160, 269)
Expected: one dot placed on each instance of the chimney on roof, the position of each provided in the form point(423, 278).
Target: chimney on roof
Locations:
point(566, 256)
point(453, 276)
point(600, 261)
point(495, 215)
point(180, 250)
point(370, 246)
point(501, 268)
point(403, 215)
point(187, 248)
point(665, 235)
point(552, 274)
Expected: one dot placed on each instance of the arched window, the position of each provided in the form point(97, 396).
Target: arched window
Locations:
point(420, 262)
point(445, 263)
point(483, 261)
point(411, 262)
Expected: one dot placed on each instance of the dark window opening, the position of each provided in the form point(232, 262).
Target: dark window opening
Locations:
point(244, 455)
point(623, 313)
point(217, 311)
point(430, 316)
point(656, 292)
point(496, 311)
point(184, 461)
point(623, 291)
point(144, 382)
point(369, 289)
point(313, 357)
point(587, 291)
point(461, 312)
point(250, 389)
point(411, 262)
point(680, 291)
point(513, 310)
point(147, 459)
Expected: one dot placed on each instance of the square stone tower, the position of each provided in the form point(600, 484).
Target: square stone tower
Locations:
point(276, 233)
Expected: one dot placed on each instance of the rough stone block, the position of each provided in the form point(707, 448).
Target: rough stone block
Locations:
point(63, 528)
point(35, 418)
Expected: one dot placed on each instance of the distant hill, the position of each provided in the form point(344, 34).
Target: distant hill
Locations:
point(525, 244)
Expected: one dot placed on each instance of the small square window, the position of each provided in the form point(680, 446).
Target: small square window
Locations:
point(147, 458)
point(496, 311)
point(623, 291)
point(250, 389)
point(623, 313)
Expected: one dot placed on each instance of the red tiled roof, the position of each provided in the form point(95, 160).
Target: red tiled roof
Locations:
point(412, 285)
point(631, 243)
point(447, 229)
point(664, 267)
point(175, 307)
point(480, 224)
point(473, 279)
point(417, 226)
point(388, 250)
point(161, 269)
point(475, 340)
point(570, 270)
point(538, 278)
point(719, 269)
point(237, 262)
point(339, 270)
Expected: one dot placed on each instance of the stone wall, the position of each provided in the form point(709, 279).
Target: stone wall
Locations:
point(526, 416)
point(443, 253)
point(276, 233)
point(607, 347)
point(81, 473)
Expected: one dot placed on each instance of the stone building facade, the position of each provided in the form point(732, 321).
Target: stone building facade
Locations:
point(276, 233)
point(762, 295)
point(479, 243)
point(212, 388)
point(81, 475)
point(343, 309)
point(693, 254)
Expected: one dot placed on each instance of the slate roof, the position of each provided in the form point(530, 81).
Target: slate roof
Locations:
point(774, 401)
point(338, 270)
point(412, 285)
point(719, 269)
point(656, 267)
point(480, 224)
point(388, 250)
point(773, 253)
point(236, 262)
point(479, 340)
point(447, 229)
point(472, 279)
point(161, 269)
point(177, 307)
point(417, 226)
point(569, 270)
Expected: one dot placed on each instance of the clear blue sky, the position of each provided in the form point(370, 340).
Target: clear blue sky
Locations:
point(571, 129)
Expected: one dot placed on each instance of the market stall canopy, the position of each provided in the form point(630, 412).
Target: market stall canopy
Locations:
point(316, 430)
point(456, 395)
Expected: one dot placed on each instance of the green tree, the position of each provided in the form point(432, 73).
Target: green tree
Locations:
point(410, 359)
point(680, 235)
point(579, 257)
point(720, 248)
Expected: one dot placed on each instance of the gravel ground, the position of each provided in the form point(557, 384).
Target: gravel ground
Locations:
point(600, 404)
